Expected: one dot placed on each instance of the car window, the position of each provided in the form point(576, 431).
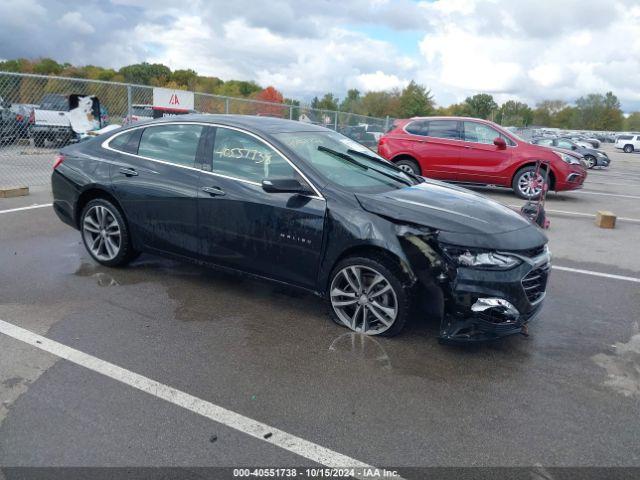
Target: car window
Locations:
point(417, 128)
point(359, 175)
point(171, 143)
point(126, 142)
point(481, 133)
point(565, 144)
point(240, 155)
point(55, 102)
point(443, 129)
point(544, 141)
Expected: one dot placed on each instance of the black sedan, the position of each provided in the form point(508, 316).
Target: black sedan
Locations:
point(592, 157)
point(311, 208)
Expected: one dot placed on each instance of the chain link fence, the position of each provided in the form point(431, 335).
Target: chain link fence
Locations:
point(37, 113)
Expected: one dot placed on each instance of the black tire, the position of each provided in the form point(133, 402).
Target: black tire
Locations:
point(393, 274)
point(591, 161)
point(628, 149)
point(516, 181)
point(125, 253)
point(409, 163)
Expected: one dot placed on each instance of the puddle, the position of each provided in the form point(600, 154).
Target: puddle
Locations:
point(363, 348)
point(622, 365)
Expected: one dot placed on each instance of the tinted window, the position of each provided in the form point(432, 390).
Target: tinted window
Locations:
point(565, 144)
point(481, 133)
point(417, 128)
point(239, 155)
point(126, 142)
point(443, 129)
point(545, 141)
point(55, 102)
point(172, 143)
point(625, 137)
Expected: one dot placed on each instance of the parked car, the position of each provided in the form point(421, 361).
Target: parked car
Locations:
point(139, 113)
point(477, 152)
point(58, 118)
point(23, 115)
point(9, 125)
point(592, 141)
point(592, 157)
point(308, 207)
point(359, 134)
point(628, 143)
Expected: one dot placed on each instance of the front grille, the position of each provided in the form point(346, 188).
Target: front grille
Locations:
point(535, 282)
point(531, 252)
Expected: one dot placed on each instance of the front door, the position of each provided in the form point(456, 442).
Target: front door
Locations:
point(439, 148)
point(277, 235)
point(157, 183)
point(481, 161)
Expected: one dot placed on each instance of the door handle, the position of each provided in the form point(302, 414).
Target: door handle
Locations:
point(214, 191)
point(129, 172)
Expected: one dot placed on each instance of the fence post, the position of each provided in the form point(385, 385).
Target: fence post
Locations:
point(335, 121)
point(290, 112)
point(226, 105)
point(386, 123)
point(129, 102)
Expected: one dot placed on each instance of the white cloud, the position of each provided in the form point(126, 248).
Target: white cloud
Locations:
point(75, 22)
point(379, 81)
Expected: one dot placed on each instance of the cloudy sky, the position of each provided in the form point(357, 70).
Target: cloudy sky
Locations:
point(529, 50)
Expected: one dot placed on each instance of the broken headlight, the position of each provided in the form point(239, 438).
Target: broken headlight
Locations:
point(488, 260)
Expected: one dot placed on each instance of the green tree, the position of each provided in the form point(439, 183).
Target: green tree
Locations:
point(351, 102)
point(146, 73)
point(186, 78)
point(481, 105)
point(47, 66)
point(514, 113)
point(415, 100)
point(328, 102)
point(632, 122)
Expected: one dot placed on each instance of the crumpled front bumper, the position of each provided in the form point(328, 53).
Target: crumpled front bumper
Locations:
point(490, 304)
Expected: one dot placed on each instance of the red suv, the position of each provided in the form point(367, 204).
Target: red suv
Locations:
point(473, 151)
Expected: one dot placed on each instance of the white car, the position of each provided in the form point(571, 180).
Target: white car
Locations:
point(628, 143)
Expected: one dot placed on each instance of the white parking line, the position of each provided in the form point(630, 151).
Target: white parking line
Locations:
point(578, 214)
point(42, 205)
point(597, 274)
point(254, 428)
point(606, 194)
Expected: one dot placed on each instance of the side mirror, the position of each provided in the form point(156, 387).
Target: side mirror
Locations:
point(573, 147)
point(285, 185)
point(500, 143)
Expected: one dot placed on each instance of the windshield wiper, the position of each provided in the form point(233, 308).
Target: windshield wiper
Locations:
point(350, 159)
point(418, 178)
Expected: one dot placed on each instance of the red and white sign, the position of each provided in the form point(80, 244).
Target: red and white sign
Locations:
point(168, 99)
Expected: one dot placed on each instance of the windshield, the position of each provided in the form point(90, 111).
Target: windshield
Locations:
point(359, 174)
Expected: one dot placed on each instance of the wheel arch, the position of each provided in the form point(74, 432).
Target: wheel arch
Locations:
point(91, 193)
point(532, 163)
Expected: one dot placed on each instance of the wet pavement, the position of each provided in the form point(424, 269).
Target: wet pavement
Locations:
point(567, 395)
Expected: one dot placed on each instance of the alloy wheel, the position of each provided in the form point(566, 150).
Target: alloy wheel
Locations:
point(529, 185)
point(363, 299)
point(591, 162)
point(406, 168)
point(101, 232)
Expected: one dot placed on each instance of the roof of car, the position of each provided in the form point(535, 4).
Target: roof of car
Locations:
point(249, 122)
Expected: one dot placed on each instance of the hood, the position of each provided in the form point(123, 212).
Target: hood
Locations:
point(444, 207)
point(463, 217)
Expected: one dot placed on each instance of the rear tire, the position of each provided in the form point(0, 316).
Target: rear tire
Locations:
point(105, 234)
point(628, 149)
point(369, 295)
point(409, 165)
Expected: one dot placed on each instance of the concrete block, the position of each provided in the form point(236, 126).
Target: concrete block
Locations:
point(8, 192)
point(605, 219)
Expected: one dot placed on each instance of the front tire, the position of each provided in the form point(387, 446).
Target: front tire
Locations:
point(591, 161)
point(369, 295)
point(105, 234)
point(628, 149)
point(409, 165)
point(525, 185)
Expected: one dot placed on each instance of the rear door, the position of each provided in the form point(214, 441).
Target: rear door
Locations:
point(437, 146)
point(157, 184)
point(481, 161)
point(276, 235)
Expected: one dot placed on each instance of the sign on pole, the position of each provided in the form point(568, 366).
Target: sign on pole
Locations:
point(169, 102)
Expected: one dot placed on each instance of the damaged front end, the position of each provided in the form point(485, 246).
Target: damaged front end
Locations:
point(484, 294)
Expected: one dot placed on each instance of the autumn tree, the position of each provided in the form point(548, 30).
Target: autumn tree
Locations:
point(270, 94)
